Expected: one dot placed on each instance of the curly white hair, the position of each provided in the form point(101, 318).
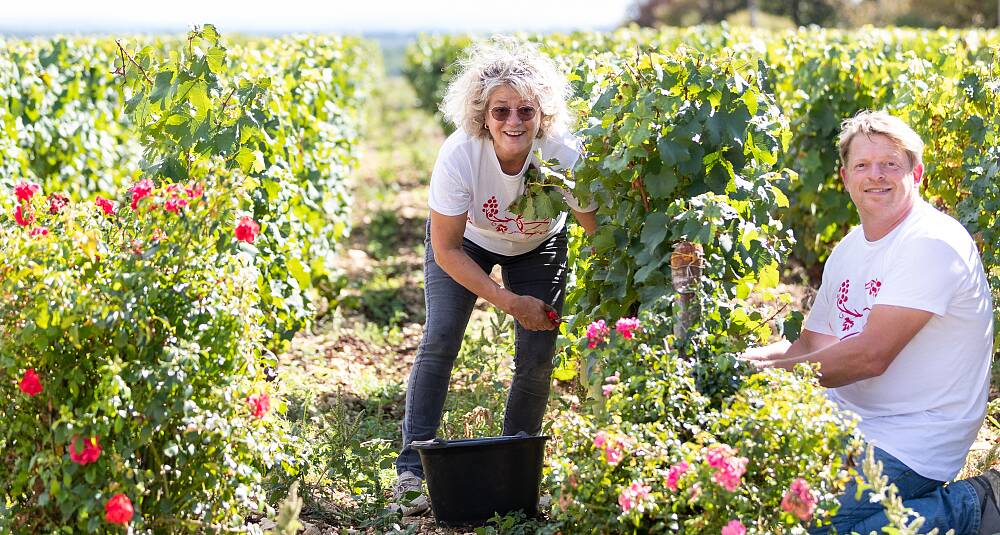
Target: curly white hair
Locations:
point(506, 61)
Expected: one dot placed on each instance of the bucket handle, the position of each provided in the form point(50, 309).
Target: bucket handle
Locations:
point(426, 443)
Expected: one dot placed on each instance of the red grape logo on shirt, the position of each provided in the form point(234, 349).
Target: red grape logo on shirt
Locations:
point(873, 286)
point(849, 314)
point(491, 209)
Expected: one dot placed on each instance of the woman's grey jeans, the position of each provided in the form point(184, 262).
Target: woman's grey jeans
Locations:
point(539, 273)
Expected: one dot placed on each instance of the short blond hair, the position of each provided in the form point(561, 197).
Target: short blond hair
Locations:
point(506, 61)
point(881, 123)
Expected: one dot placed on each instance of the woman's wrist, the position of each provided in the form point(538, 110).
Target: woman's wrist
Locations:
point(504, 299)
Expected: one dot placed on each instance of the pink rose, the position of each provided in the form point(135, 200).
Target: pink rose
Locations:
point(633, 495)
point(734, 527)
point(260, 404)
point(174, 204)
point(597, 332)
point(194, 191)
point(799, 500)
point(716, 455)
point(675, 473)
point(729, 468)
point(613, 454)
point(38, 231)
point(627, 327)
point(600, 439)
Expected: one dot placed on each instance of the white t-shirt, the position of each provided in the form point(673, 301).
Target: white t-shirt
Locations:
point(467, 179)
point(928, 406)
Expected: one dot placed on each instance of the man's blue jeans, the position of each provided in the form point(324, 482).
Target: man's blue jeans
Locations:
point(953, 506)
point(539, 273)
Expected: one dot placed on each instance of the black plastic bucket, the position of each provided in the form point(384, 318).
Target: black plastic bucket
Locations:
point(469, 481)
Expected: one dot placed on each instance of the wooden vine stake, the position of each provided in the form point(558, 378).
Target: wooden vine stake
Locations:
point(686, 265)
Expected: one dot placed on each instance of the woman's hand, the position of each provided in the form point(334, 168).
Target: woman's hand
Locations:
point(533, 313)
point(587, 220)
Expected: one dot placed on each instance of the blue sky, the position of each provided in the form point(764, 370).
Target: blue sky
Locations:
point(343, 16)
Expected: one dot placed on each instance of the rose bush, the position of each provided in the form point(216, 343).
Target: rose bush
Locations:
point(664, 449)
point(132, 386)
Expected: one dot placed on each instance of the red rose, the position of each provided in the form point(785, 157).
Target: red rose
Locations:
point(247, 229)
point(57, 203)
point(26, 190)
point(118, 510)
point(23, 217)
point(30, 384)
point(140, 190)
point(108, 207)
point(38, 231)
point(260, 404)
point(91, 451)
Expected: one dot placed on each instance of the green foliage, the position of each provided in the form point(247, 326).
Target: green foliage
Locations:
point(543, 186)
point(429, 64)
point(62, 121)
point(345, 448)
point(517, 523)
point(144, 328)
point(979, 208)
point(286, 136)
point(284, 111)
point(678, 148)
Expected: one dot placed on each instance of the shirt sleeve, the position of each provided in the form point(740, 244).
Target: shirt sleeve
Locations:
point(818, 320)
point(448, 193)
point(924, 274)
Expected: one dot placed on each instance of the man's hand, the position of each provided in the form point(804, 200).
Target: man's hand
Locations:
point(532, 313)
point(782, 354)
point(763, 357)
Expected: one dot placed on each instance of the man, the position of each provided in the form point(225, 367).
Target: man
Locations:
point(902, 329)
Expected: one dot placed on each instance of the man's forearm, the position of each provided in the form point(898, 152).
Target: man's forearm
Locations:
point(840, 364)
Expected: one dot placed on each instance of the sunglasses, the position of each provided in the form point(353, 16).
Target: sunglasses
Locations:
point(524, 113)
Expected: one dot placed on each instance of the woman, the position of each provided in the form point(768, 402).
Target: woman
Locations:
point(508, 101)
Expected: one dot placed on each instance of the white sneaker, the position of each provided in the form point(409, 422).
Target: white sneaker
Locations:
point(408, 495)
